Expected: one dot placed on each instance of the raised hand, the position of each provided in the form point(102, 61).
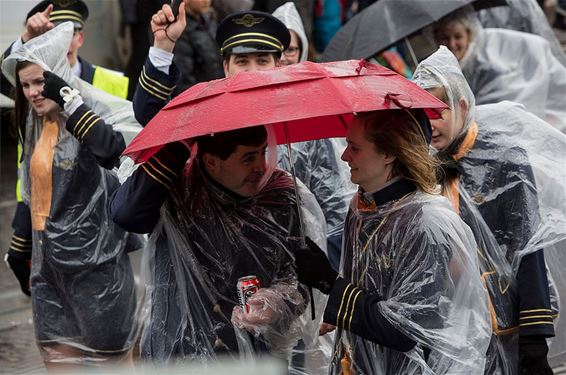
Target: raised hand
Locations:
point(166, 29)
point(38, 24)
point(52, 87)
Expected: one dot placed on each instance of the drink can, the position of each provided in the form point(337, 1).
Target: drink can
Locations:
point(247, 286)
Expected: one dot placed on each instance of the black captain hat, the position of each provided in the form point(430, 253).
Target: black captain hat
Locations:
point(252, 32)
point(75, 11)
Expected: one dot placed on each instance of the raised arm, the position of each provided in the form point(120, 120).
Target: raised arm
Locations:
point(159, 75)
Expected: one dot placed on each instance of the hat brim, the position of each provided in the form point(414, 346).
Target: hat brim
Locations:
point(253, 48)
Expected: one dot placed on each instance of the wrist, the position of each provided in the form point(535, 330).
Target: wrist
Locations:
point(26, 36)
point(166, 45)
point(72, 105)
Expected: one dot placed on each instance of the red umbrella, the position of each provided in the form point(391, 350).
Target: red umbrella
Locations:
point(314, 101)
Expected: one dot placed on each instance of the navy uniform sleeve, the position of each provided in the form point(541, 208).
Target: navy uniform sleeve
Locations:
point(520, 204)
point(153, 91)
point(351, 309)
point(135, 205)
point(535, 313)
point(20, 245)
point(93, 133)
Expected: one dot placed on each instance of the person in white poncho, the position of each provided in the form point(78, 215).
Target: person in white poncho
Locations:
point(408, 299)
point(504, 64)
point(82, 285)
point(503, 170)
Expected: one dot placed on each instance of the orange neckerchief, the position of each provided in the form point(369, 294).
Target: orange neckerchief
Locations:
point(41, 165)
point(364, 203)
point(450, 188)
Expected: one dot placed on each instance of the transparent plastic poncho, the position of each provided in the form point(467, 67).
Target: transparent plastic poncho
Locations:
point(510, 65)
point(420, 258)
point(205, 240)
point(289, 15)
point(83, 290)
point(526, 16)
point(512, 193)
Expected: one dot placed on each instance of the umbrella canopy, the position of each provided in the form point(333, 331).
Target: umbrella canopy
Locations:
point(313, 101)
point(388, 21)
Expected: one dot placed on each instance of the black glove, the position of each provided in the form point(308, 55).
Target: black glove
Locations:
point(313, 268)
point(52, 87)
point(532, 357)
point(21, 268)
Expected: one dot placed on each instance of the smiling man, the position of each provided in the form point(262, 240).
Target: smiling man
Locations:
point(226, 214)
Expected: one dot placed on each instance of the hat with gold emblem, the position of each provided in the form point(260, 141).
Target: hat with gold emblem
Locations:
point(252, 32)
point(75, 11)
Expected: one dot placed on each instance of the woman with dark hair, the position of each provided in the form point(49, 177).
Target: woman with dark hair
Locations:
point(408, 299)
point(82, 285)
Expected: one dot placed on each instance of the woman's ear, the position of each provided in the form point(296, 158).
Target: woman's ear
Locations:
point(463, 106)
point(389, 159)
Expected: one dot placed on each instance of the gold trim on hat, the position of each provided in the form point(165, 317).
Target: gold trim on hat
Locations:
point(65, 11)
point(252, 34)
point(279, 47)
point(66, 15)
point(66, 18)
point(248, 20)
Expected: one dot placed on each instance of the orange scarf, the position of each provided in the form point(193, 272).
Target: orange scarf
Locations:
point(450, 188)
point(41, 166)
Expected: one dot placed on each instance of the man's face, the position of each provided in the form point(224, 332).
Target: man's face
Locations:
point(241, 172)
point(292, 54)
point(249, 62)
point(76, 43)
point(31, 79)
point(456, 37)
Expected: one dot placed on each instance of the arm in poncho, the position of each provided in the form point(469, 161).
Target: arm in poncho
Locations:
point(135, 205)
point(352, 309)
point(96, 136)
point(519, 203)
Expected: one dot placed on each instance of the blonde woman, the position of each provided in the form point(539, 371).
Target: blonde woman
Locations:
point(408, 299)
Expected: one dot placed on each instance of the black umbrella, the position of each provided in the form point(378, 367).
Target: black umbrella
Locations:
point(386, 22)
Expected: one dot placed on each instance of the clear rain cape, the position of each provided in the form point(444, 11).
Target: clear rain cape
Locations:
point(512, 192)
point(420, 258)
point(206, 239)
point(83, 290)
point(510, 65)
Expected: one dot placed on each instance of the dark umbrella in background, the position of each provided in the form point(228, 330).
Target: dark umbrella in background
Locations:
point(386, 22)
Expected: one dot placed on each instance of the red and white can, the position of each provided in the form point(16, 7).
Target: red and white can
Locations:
point(247, 286)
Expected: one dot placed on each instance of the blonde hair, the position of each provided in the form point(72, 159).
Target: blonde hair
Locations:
point(397, 133)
